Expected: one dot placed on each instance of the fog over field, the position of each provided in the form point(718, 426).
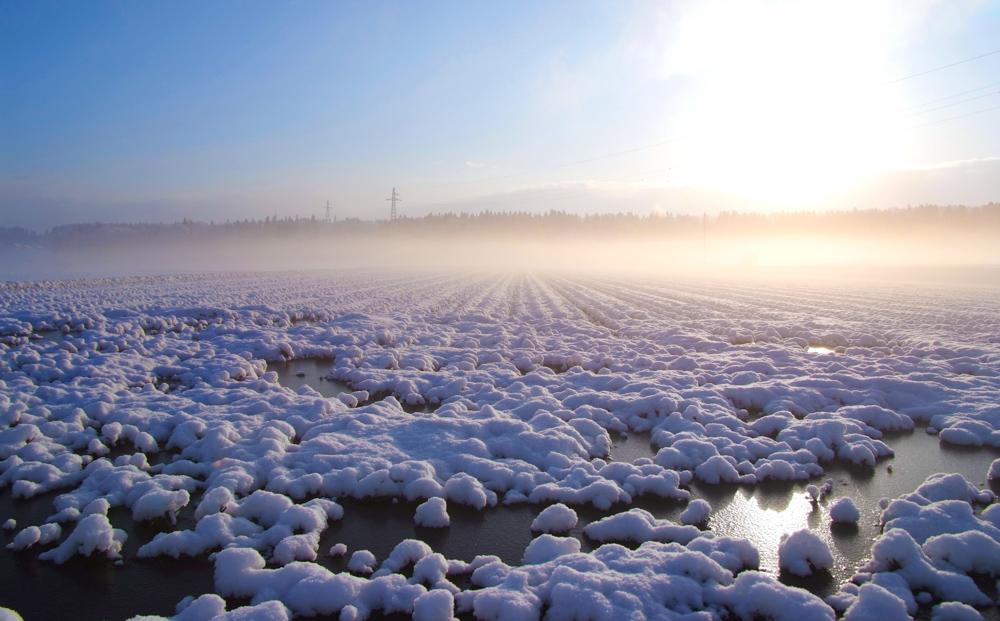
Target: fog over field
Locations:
point(728, 243)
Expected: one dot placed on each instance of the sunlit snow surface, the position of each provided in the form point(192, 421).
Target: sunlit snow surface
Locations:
point(171, 401)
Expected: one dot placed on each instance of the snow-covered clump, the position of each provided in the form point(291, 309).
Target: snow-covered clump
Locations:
point(436, 605)
point(557, 518)
point(556, 578)
point(92, 534)
point(932, 542)
point(160, 503)
point(803, 553)
point(844, 511)
point(337, 549)
point(955, 611)
point(212, 607)
point(10, 524)
point(546, 547)
point(817, 492)
point(432, 513)
point(994, 472)
point(876, 603)
point(36, 535)
point(263, 520)
point(639, 525)
point(361, 562)
point(696, 512)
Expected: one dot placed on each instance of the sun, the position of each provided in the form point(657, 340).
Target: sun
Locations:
point(786, 111)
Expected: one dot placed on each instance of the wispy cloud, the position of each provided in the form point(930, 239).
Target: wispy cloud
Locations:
point(473, 164)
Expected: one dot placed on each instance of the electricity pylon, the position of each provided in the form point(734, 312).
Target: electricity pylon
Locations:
point(393, 200)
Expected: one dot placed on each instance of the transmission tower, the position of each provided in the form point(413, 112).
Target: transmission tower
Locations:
point(327, 211)
point(393, 200)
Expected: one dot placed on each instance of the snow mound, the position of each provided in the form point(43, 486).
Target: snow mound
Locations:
point(557, 518)
point(875, 602)
point(546, 547)
point(361, 562)
point(639, 525)
point(696, 512)
point(994, 471)
point(955, 611)
point(844, 511)
point(92, 534)
point(803, 553)
point(432, 513)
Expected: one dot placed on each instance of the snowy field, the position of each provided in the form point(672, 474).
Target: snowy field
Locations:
point(627, 430)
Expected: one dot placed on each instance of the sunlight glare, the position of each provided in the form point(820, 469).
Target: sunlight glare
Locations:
point(785, 112)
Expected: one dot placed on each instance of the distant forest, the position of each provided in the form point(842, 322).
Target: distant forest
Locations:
point(918, 221)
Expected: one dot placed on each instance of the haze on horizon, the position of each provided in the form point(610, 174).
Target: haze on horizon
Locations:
point(115, 111)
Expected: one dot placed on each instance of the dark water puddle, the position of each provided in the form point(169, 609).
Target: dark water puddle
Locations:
point(52, 336)
point(310, 372)
point(92, 589)
point(632, 446)
point(378, 525)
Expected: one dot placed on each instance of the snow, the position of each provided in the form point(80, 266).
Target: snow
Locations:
point(557, 518)
point(36, 535)
point(932, 543)
point(844, 511)
point(159, 503)
point(546, 547)
point(436, 605)
point(696, 513)
point(432, 513)
point(157, 401)
point(212, 607)
point(955, 611)
point(639, 525)
point(803, 553)
point(361, 562)
point(994, 472)
point(92, 534)
point(875, 602)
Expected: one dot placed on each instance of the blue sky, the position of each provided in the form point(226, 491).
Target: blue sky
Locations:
point(144, 110)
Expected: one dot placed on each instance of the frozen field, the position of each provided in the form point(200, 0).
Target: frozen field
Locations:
point(700, 450)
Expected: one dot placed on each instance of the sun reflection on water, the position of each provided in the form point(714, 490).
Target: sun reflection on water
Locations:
point(819, 349)
point(764, 519)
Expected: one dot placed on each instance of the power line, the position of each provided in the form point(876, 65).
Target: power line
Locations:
point(955, 118)
point(948, 66)
point(957, 103)
point(952, 96)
